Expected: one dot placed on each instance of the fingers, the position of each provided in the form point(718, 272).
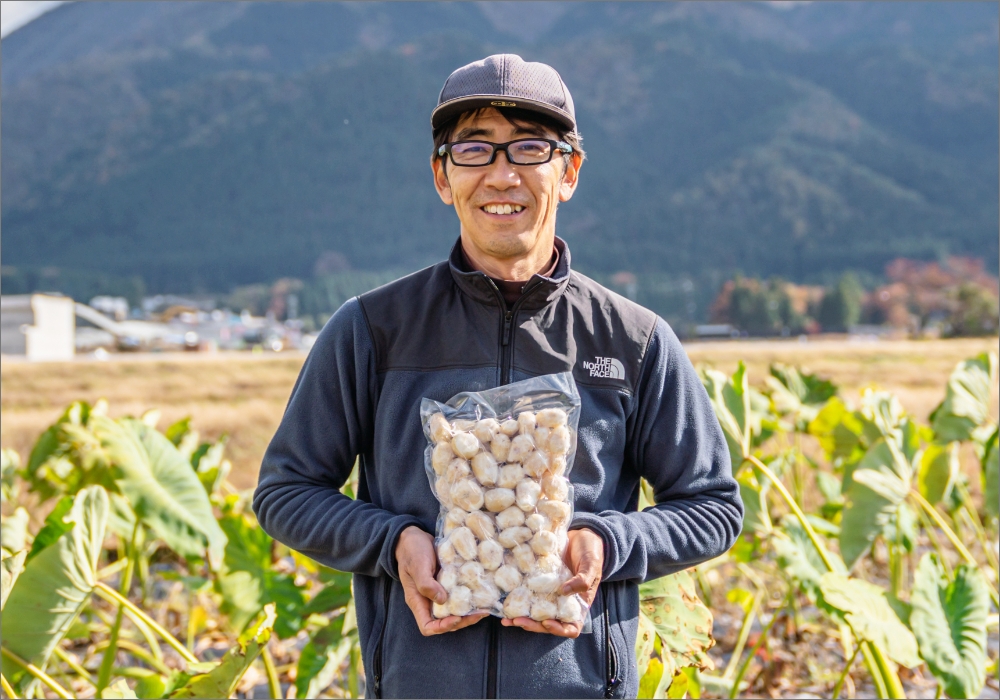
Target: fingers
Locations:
point(449, 624)
point(577, 584)
point(559, 629)
point(430, 589)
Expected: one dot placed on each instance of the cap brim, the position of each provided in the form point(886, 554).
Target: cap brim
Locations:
point(451, 108)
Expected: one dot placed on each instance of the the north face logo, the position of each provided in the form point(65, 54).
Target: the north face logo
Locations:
point(605, 368)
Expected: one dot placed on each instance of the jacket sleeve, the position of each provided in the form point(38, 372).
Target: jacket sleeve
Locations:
point(676, 444)
point(328, 422)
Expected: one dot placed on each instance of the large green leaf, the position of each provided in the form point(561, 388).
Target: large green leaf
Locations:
point(949, 621)
point(161, 487)
point(644, 642)
point(871, 500)
point(840, 431)
point(322, 656)
point(798, 558)
point(681, 619)
point(937, 470)
point(966, 402)
point(10, 568)
point(55, 526)
point(798, 393)
point(56, 584)
point(867, 610)
point(14, 531)
point(991, 475)
point(221, 681)
point(756, 517)
point(247, 580)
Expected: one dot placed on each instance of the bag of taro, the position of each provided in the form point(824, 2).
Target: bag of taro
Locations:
point(498, 462)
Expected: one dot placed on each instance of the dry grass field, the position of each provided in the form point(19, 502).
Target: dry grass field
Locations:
point(244, 395)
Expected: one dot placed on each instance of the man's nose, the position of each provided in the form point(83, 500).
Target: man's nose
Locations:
point(501, 174)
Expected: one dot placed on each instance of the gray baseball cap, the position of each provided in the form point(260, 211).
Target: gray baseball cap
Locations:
point(505, 80)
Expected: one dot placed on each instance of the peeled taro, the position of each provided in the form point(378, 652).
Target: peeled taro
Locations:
point(440, 610)
point(523, 558)
point(497, 500)
point(569, 608)
point(510, 517)
point(507, 577)
point(467, 494)
point(509, 427)
point(439, 428)
point(484, 595)
point(490, 555)
point(441, 457)
point(481, 525)
point(510, 475)
point(551, 417)
point(549, 564)
point(535, 464)
point(520, 447)
point(541, 438)
point(448, 577)
point(458, 469)
point(537, 521)
point(544, 542)
point(453, 518)
point(557, 465)
point(500, 446)
point(470, 573)
point(528, 492)
point(556, 511)
point(518, 603)
point(460, 601)
point(465, 445)
point(484, 466)
point(447, 554)
point(543, 609)
point(513, 536)
point(526, 422)
point(555, 487)
point(486, 429)
point(559, 440)
point(544, 582)
point(464, 543)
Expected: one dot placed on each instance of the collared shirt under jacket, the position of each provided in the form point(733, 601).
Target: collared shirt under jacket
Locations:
point(441, 331)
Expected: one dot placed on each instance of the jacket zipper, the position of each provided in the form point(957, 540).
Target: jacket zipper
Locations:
point(611, 657)
point(377, 659)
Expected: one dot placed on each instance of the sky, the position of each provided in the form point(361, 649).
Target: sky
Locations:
point(17, 13)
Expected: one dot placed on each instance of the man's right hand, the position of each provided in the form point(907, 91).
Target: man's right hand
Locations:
point(417, 563)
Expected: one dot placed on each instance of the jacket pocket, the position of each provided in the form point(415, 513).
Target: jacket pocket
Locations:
point(380, 640)
point(614, 669)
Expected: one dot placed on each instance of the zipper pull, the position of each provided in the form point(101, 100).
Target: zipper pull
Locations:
point(506, 328)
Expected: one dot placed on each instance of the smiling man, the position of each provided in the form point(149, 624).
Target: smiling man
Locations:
point(505, 306)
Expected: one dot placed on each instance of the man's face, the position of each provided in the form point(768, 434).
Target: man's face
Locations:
point(532, 191)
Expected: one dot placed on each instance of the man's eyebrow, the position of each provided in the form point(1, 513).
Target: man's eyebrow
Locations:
point(469, 132)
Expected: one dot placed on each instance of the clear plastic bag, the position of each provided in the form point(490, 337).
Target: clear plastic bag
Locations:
point(498, 462)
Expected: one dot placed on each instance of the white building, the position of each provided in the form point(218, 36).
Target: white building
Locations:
point(38, 326)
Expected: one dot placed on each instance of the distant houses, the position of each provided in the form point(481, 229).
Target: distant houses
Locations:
point(38, 327)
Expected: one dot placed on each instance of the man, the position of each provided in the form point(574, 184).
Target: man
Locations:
point(504, 307)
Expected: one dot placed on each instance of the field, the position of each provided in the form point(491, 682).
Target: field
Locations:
point(244, 395)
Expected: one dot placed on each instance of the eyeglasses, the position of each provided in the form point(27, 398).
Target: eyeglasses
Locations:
point(520, 152)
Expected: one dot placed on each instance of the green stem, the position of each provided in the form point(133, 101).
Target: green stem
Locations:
point(741, 641)
point(37, 673)
point(113, 597)
point(138, 652)
point(273, 684)
point(104, 673)
point(893, 686)
point(843, 676)
point(794, 507)
point(7, 687)
point(77, 668)
point(154, 646)
point(873, 671)
point(352, 671)
point(932, 535)
point(760, 640)
point(977, 525)
point(953, 538)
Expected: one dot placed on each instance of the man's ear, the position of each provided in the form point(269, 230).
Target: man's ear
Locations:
point(441, 183)
point(570, 178)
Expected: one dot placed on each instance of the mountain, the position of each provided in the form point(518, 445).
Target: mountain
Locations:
point(202, 145)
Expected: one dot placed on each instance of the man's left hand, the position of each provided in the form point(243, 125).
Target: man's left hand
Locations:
point(585, 559)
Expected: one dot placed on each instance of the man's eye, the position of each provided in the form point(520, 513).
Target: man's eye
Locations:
point(472, 148)
point(531, 147)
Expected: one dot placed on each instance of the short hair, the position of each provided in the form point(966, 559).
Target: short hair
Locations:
point(515, 116)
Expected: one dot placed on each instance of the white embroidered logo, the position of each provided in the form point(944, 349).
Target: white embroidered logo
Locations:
point(605, 368)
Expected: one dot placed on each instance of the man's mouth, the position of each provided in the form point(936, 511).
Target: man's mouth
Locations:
point(502, 209)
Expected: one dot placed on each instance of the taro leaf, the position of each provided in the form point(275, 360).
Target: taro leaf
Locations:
point(322, 657)
point(949, 622)
point(247, 580)
point(56, 584)
point(10, 569)
point(10, 462)
point(756, 517)
point(210, 465)
point(869, 614)
point(839, 431)
point(936, 470)
point(797, 393)
point(966, 402)
point(161, 487)
point(681, 619)
point(118, 689)
point(221, 681)
point(799, 559)
point(336, 594)
point(991, 475)
point(175, 432)
point(644, 642)
point(871, 502)
point(882, 415)
point(883, 455)
point(905, 520)
point(54, 528)
point(14, 531)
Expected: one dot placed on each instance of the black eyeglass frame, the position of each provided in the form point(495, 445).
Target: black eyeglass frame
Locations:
point(557, 146)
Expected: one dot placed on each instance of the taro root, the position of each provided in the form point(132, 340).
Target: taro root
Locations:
point(507, 577)
point(543, 609)
point(464, 543)
point(510, 475)
point(520, 447)
point(463, 426)
point(526, 422)
point(484, 466)
point(440, 610)
point(484, 595)
point(458, 469)
point(556, 511)
point(557, 465)
point(549, 564)
point(486, 429)
point(569, 608)
point(559, 440)
point(441, 457)
point(448, 577)
point(551, 417)
point(442, 486)
point(447, 554)
point(509, 428)
point(528, 492)
point(439, 428)
point(471, 573)
point(500, 446)
point(453, 518)
point(544, 542)
point(460, 601)
point(481, 525)
point(543, 582)
point(535, 464)
point(541, 438)
point(537, 521)
point(490, 555)
point(555, 487)
point(523, 558)
point(467, 494)
point(513, 536)
point(517, 603)
point(497, 500)
point(510, 517)
point(465, 445)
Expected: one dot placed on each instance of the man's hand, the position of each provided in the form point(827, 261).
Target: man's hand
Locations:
point(417, 563)
point(585, 559)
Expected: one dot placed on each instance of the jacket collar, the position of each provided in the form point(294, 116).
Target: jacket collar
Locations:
point(539, 291)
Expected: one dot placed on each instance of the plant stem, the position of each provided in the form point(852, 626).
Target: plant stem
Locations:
point(932, 535)
point(953, 538)
point(104, 673)
point(894, 688)
point(977, 525)
point(352, 670)
point(7, 687)
point(820, 549)
point(873, 670)
point(154, 646)
point(741, 641)
point(843, 676)
point(113, 597)
point(112, 569)
point(37, 673)
point(273, 684)
point(77, 668)
point(760, 640)
point(139, 653)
